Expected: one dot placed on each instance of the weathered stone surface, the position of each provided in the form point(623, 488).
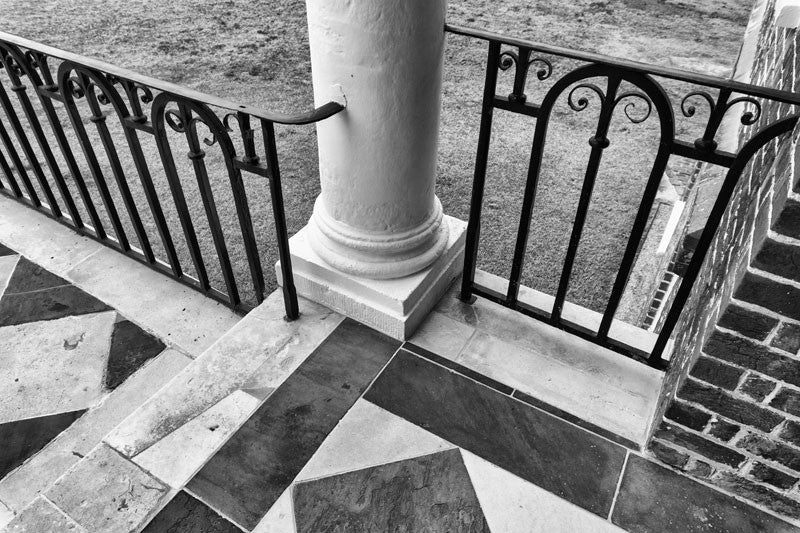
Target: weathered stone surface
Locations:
point(791, 432)
point(668, 454)
point(747, 322)
point(106, 493)
point(780, 259)
point(787, 338)
point(739, 410)
point(781, 298)
point(716, 373)
point(40, 517)
point(131, 347)
point(429, 493)
point(771, 450)
point(688, 416)
point(789, 222)
point(757, 387)
point(723, 430)
point(185, 514)
point(699, 444)
point(757, 357)
point(769, 475)
point(787, 400)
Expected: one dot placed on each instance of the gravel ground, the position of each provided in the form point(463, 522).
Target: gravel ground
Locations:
point(256, 52)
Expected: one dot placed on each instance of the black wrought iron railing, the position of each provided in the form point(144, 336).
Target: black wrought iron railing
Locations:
point(78, 123)
point(618, 85)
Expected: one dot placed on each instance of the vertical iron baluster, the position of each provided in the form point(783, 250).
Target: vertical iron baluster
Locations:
point(44, 91)
point(242, 206)
point(27, 149)
point(479, 180)
point(284, 254)
point(23, 174)
point(158, 112)
point(9, 174)
point(667, 125)
point(712, 224)
point(99, 119)
point(33, 121)
point(70, 87)
point(598, 143)
point(197, 156)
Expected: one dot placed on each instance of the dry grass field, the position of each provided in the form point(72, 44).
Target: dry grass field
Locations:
point(256, 52)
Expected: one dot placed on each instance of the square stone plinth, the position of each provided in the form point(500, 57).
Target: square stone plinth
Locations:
point(395, 307)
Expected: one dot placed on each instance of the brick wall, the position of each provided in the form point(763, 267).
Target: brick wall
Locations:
point(735, 420)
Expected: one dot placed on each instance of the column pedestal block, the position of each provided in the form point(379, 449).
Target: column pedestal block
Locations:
point(396, 306)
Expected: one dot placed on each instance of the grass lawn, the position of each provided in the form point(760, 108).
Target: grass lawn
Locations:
point(256, 52)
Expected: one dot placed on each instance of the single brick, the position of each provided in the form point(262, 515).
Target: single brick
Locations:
point(779, 297)
point(771, 450)
point(788, 222)
point(748, 323)
point(791, 432)
point(757, 387)
point(787, 400)
point(667, 454)
point(758, 357)
point(688, 416)
point(787, 338)
point(699, 468)
point(699, 444)
point(718, 401)
point(716, 373)
point(776, 478)
point(723, 430)
point(780, 259)
point(757, 493)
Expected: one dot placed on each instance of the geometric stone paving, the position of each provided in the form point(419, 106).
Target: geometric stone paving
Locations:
point(61, 350)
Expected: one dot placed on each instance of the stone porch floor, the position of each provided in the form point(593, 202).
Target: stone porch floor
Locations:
point(321, 424)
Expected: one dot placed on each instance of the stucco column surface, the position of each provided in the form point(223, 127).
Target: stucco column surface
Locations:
point(377, 216)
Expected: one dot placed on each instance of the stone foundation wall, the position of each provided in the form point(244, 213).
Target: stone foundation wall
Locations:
point(736, 419)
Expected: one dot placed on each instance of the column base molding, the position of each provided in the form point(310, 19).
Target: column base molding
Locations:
point(395, 306)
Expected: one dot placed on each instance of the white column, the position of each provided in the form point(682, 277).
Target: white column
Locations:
point(378, 246)
point(377, 216)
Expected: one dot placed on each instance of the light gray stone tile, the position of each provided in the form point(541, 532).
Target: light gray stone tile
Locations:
point(172, 311)
point(513, 505)
point(624, 408)
point(442, 335)
point(258, 353)
point(21, 486)
point(175, 458)
point(105, 492)
point(280, 517)
point(7, 265)
point(53, 366)
point(40, 517)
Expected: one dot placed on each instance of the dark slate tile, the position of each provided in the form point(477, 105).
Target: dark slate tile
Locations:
point(186, 514)
point(780, 259)
point(654, 499)
point(429, 493)
point(778, 297)
point(47, 304)
point(4, 250)
point(747, 322)
point(23, 438)
point(461, 369)
point(28, 276)
point(131, 347)
point(248, 474)
point(788, 222)
point(568, 461)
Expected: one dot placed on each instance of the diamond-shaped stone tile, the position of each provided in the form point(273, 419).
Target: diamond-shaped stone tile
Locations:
point(429, 493)
point(131, 347)
point(28, 277)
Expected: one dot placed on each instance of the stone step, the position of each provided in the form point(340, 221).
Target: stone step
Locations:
point(788, 222)
point(760, 290)
point(779, 258)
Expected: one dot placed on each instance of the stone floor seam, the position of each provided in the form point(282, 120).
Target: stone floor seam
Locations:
point(619, 484)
